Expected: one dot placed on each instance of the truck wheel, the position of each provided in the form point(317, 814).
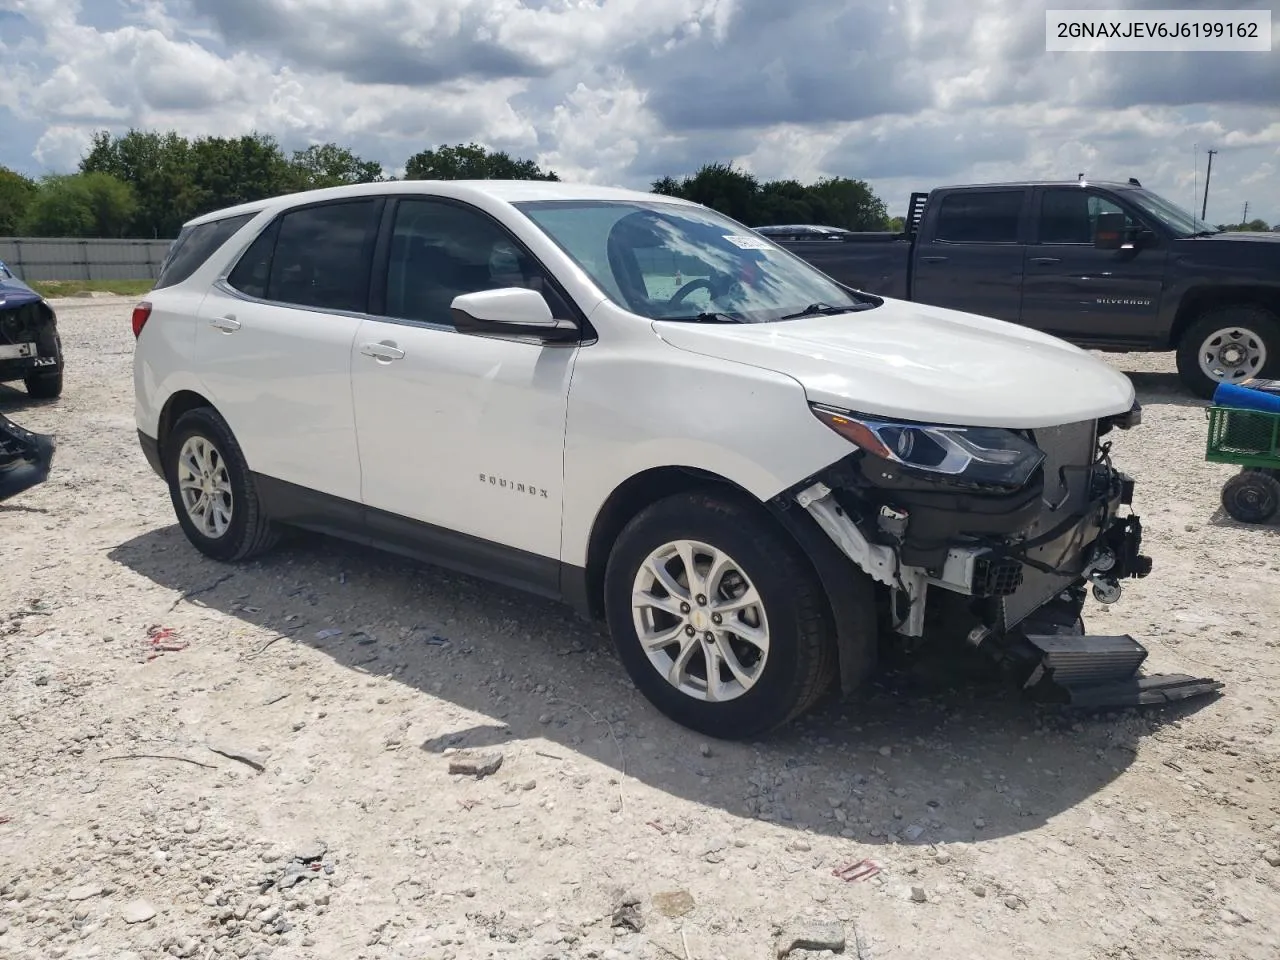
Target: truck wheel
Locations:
point(1228, 345)
point(212, 491)
point(717, 616)
point(1251, 497)
point(44, 386)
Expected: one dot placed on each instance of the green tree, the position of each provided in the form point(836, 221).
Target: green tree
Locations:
point(735, 193)
point(329, 165)
point(176, 179)
point(472, 162)
point(842, 202)
point(1253, 226)
point(896, 224)
point(16, 193)
point(784, 201)
point(667, 186)
point(80, 205)
point(832, 201)
point(158, 166)
point(229, 171)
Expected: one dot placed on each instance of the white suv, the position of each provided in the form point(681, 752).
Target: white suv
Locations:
point(643, 408)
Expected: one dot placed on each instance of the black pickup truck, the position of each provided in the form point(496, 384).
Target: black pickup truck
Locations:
point(1107, 266)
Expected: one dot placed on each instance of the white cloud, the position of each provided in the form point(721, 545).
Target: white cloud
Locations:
point(908, 94)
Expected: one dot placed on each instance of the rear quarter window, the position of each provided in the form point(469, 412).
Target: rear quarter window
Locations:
point(195, 245)
point(973, 216)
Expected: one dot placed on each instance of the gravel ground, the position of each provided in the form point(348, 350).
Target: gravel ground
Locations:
point(196, 763)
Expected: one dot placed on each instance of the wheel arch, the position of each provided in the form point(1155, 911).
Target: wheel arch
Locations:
point(850, 597)
point(1197, 300)
point(179, 403)
point(626, 501)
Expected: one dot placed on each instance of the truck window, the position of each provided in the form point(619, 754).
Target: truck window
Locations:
point(1070, 215)
point(979, 216)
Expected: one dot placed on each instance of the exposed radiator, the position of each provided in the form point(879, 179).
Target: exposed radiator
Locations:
point(1069, 445)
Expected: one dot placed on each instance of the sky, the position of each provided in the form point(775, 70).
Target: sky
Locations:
point(905, 94)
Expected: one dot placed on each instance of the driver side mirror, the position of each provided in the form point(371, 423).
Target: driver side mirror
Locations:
point(510, 311)
point(1109, 233)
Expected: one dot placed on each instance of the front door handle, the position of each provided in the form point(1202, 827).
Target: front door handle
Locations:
point(1045, 261)
point(227, 324)
point(932, 259)
point(384, 351)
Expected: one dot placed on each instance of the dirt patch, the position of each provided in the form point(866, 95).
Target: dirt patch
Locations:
point(204, 761)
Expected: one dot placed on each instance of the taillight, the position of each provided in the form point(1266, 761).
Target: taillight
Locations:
point(141, 313)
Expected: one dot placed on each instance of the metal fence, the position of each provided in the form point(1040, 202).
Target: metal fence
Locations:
point(67, 258)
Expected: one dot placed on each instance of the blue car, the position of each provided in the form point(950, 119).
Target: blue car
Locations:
point(30, 348)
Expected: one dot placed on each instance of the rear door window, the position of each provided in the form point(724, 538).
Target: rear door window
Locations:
point(195, 245)
point(980, 216)
point(317, 256)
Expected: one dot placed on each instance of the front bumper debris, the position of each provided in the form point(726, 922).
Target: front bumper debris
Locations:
point(25, 458)
point(1068, 666)
point(1008, 573)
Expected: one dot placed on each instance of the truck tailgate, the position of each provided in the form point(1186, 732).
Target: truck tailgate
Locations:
point(876, 263)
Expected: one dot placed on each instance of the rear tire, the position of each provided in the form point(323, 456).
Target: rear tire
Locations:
point(212, 489)
point(755, 587)
point(1218, 337)
point(1251, 496)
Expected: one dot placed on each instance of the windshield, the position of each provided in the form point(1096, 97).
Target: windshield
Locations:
point(1170, 214)
point(4, 271)
point(667, 261)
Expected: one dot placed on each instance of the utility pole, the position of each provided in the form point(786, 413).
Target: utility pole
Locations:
point(1205, 208)
point(1244, 217)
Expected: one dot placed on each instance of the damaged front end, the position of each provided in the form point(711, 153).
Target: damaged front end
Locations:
point(25, 458)
point(994, 538)
point(30, 346)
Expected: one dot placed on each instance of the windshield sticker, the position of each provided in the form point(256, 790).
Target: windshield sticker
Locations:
point(749, 243)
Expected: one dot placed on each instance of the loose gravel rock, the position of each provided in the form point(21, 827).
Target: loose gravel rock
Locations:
point(320, 687)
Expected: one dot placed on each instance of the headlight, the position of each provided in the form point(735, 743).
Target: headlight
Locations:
point(985, 455)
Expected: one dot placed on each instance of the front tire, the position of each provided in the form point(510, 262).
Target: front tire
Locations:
point(1229, 345)
point(754, 611)
point(44, 386)
point(212, 490)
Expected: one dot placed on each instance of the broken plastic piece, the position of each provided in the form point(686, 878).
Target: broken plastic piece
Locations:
point(25, 458)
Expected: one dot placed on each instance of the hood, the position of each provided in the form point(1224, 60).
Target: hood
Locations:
point(923, 363)
point(15, 293)
point(1247, 236)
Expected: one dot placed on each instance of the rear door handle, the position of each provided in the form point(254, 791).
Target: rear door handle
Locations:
point(385, 351)
point(932, 259)
point(227, 324)
point(1045, 261)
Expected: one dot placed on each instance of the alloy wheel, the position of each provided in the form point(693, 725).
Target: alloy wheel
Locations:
point(700, 620)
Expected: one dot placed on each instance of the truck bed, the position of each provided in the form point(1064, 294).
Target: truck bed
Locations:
point(874, 262)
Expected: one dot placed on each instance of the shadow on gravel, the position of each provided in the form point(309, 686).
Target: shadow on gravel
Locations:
point(1223, 519)
point(1165, 389)
point(14, 398)
point(937, 752)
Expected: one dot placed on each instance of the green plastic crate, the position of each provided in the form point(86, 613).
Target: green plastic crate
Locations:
point(1250, 438)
